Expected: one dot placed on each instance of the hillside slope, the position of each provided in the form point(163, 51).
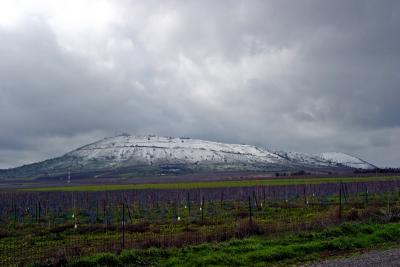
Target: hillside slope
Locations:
point(168, 153)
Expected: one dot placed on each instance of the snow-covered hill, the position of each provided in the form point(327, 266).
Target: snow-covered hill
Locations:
point(346, 160)
point(328, 159)
point(127, 151)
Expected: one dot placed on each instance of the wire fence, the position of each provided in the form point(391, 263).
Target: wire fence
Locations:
point(34, 229)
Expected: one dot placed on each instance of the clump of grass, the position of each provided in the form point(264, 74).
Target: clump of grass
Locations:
point(102, 259)
point(247, 228)
point(256, 250)
point(133, 257)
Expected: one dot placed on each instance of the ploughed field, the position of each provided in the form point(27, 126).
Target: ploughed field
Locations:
point(70, 224)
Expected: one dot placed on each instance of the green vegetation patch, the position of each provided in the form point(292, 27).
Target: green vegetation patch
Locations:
point(216, 184)
point(257, 250)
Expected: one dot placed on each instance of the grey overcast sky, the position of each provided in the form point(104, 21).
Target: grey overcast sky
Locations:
point(307, 76)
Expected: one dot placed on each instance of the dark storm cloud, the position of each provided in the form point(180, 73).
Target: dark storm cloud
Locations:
point(301, 75)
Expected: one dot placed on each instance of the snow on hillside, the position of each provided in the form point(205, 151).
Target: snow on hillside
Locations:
point(143, 151)
point(346, 160)
point(327, 159)
point(305, 159)
point(155, 149)
point(127, 150)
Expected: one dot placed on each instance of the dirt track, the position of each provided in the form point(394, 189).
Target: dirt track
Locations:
point(387, 258)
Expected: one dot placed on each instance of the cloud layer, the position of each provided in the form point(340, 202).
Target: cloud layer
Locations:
point(306, 75)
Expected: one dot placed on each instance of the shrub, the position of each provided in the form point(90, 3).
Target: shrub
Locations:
point(103, 259)
point(107, 259)
point(82, 262)
point(247, 228)
point(132, 257)
point(140, 227)
point(352, 215)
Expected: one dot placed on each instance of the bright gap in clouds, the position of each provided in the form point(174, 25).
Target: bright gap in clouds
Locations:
point(76, 16)
point(72, 16)
point(11, 12)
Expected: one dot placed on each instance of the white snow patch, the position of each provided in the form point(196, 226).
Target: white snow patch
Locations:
point(346, 160)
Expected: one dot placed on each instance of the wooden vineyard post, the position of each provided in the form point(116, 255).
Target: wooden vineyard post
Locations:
point(123, 225)
point(250, 211)
point(36, 215)
point(202, 210)
point(263, 195)
point(39, 210)
point(36, 212)
point(305, 196)
point(340, 201)
point(175, 211)
point(15, 213)
point(97, 211)
point(188, 205)
point(129, 211)
point(104, 213)
point(157, 205)
point(255, 199)
point(366, 194)
point(286, 198)
point(388, 203)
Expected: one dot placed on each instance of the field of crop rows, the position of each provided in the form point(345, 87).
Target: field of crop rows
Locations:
point(57, 225)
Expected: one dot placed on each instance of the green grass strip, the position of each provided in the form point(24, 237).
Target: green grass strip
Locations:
point(216, 184)
point(257, 250)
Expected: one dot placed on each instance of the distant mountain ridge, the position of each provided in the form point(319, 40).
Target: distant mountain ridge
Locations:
point(164, 154)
